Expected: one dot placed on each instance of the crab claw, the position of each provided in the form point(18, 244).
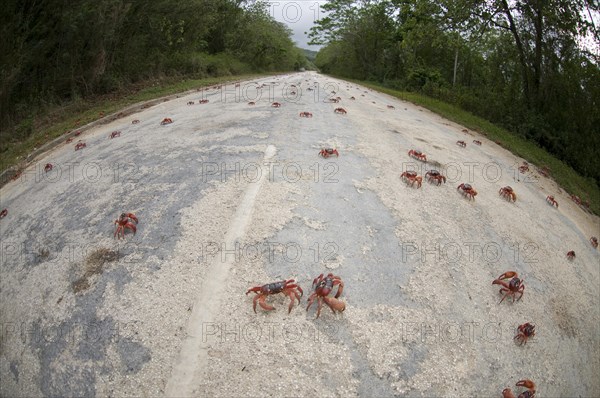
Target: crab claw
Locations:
point(507, 393)
point(335, 304)
point(507, 275)
point(526, 383)
point(132, 216)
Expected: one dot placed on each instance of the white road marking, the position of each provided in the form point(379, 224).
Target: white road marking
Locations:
point(194, 354)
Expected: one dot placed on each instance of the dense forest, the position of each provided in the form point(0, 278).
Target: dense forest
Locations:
point(521, 64)
point(53, 52)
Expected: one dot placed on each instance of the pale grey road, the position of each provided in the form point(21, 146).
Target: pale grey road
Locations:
point(232, 195)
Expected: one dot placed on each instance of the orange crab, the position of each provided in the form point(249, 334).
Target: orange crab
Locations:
point(525, 331)
point(125, 221)
point(467, 190)
point(529, 393)
point(551, 201)
point(435, 177)
point(508, 193)
point(288, 288)
point(323, 286)
point(327, 152)
point(415, 154)
point(524, 167)
point(513, 287)
point(411, 177)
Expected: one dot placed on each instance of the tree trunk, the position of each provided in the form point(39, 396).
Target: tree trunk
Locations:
point(520, 49)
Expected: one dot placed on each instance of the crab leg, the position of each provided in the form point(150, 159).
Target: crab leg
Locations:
point(340, 287)
point(311, 300)
point(320, 301)
point(290, 294)
point(261, 302)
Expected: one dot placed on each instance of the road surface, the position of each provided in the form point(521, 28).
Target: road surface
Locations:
point(231, 196)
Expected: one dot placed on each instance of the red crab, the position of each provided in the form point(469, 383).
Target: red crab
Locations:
point(77, 133)
point(571, 255)
point(477, 142)
point(341, 111)
point(3, 213)
point(467, 190)
point(411, 177)
point(276, 105)
point(514, 285)
point(136, 121)
point(322, 287)
point(594, 242)
point(48, 167)
point(166, 120)
point(17, 175)
point(305, 114)
point(327, 152)
point(391, 107)
point(576, 199)
point(545, 171)
point(524, 167)
point(203, 101)
point(251, 103)
point(434, 176)
point(115, 134)
point(80, 145)
point(525, 331)
point(190, 103)
point(125, 221)
point(352, 98)
point(508, 193)
point(461, 144)
point(551, 201)
point(288, 288)
point(69, 140)
point(529, 393)
point(413, 153)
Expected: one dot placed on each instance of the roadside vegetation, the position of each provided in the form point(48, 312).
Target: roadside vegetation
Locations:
point(523, 73)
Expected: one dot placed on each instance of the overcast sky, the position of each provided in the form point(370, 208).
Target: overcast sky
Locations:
point(299, 15)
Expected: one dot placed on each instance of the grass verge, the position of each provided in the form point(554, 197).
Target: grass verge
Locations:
point(563, 174)
point(69, 117)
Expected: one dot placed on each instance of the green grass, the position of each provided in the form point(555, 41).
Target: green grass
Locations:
point(62, 119)
point(563, 174)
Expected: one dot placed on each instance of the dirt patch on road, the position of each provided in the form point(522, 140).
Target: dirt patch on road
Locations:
point(94, 265)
